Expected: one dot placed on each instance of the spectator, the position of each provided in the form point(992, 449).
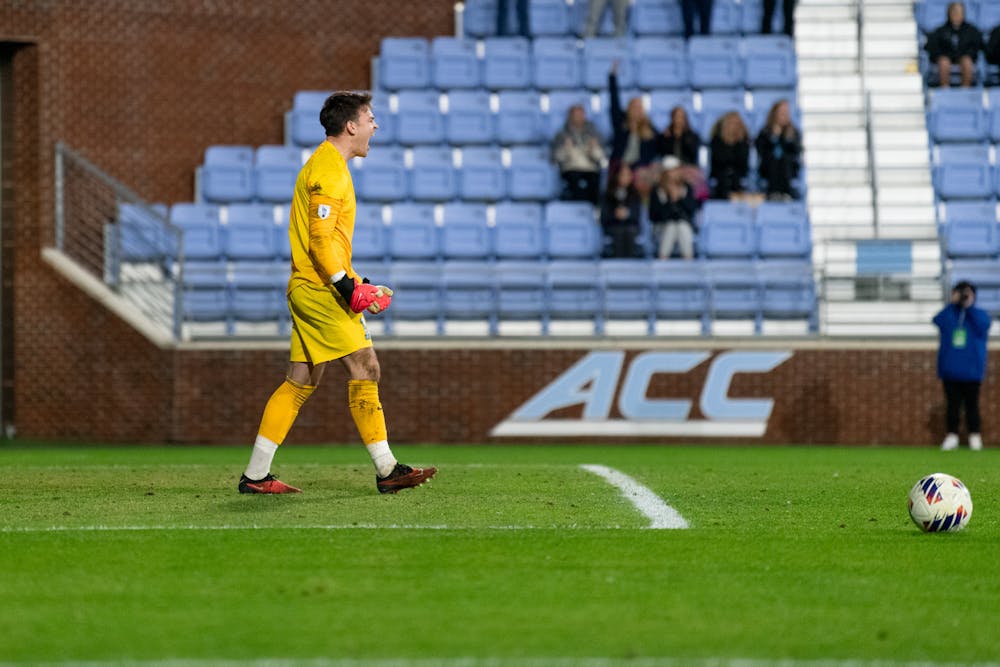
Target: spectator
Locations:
point(578, 152)
point(730, 146)
point(961, 361)
point(620, 214)
point(678, 139)
point(992, 50)
point(633, 142)
point(672, 207)
point(503, 18)
point(703, 8)
point(779, 149)
point(788, 11)
point(619, 11)
point(956, 41)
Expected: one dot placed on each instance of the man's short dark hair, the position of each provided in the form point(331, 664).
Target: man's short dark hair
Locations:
point(341, 107)
point(964, 285)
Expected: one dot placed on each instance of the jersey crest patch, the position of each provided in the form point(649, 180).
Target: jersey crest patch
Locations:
point(323, 211)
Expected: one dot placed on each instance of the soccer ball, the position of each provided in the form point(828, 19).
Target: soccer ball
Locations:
point(940, 503)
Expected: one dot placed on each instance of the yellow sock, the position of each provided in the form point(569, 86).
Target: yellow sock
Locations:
point(282, 409)
point(366, 409)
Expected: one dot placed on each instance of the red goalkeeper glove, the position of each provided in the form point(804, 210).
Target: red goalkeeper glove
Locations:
point(363, 296)
point(383, 297)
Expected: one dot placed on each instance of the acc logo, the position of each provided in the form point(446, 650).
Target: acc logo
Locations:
point(593, 379)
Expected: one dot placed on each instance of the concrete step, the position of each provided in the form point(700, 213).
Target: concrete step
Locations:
point(819, 84)
point(819, 120)
point(844, 214)
point(843, 102)
point(828, 66)
point(826, 48)
point(895, 102)
point(889, 46)
point(822, 195)
point(850, 139)
point(894, 82)
point(897, 15)
point(888, 158)
point(837, 178)
point(911, 195)
point(825, 13)
point(841, 232)
point(903, 177)
point(837, 30)
point(890, 66)
point(907, 215)
point(837, 159)
point(915, 137)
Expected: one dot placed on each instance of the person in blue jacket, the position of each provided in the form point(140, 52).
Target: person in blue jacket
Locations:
point(961, 362)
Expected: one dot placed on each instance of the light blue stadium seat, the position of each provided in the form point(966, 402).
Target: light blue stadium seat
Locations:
point(764, 99)
point(386, 134)
point(727, 230)
point(418, 117)
point(988, 16)
point(383, 176)
point(783, 230)
point(771, 61)
point(227, 174)
point(531, 175)
point(258, 291)
point(557, 63)
point(479, 18)
point(549, 17)
point(735, 291)
point(432, 177)
point(931, 14)
point(521, 292)
point(682, 292)
point(142, 233)
point(727, 17)
point(506, 63)
point(468, 292)
point(305, 128)
point(454, 63)
point(519, 230)
point(519, 118)
point(957, 114)
point(574, 292)
point(598, 55)
point(205, 305)
point(199, 223)
point(715, 103)
point(985, 275)
point(560, 102)
point(414, 232)
point(660, 62)
point(250, 232)
point(715, 62)
point(883, 256)
point(753, 17)
point(416, 292)
point(662, 102)
point(404, 62)
point(657, 17)
point(371, 235)
point(275, 169)
point(465, 232)
point(993, 96)
point(470, 119)
point(571, 230)
point(970, 229)
point(482, 176)
point(963, 171)
point(629, 290)
point(788, 291)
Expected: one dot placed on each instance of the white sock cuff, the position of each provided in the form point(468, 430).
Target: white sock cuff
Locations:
point(261, 457)
point(382, 457)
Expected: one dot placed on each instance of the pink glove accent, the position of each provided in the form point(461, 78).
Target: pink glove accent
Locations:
point(363, 296)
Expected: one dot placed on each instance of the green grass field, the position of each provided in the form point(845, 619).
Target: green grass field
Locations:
point(511, 556)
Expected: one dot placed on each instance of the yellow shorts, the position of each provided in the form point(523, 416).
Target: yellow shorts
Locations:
point(323, 327)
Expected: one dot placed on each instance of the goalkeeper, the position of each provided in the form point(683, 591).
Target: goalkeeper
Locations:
point(327, 301)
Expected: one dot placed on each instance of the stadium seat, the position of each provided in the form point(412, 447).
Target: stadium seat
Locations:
point(305, 129)
point(771, 61)
point(143, 235)
point(383, 176)
point(556, 62)
point(727, 230)
point(202, 231)
point(519, 118)
point(385, 118)
point(414, 232)
point(659, 62)
point(465, 232)
point(506, 63)
point(560, 102)
point(598, 55)
point(275, 171)
point(735, 291)
point(970, 229)
point(250, 232)
point(783, 230)
point(682, 292)
point(571, 230)
point(482, 175)
point(963, 171)
point(788, 291)
point(454, 63)
point(715, 62)
point(930, 14)
point(548, 17)
point(716, 103)
point(416, 292)
point(258, 291)
point(727, 17)
point(432, 177)
point(883, 256)
point(531, 175)
point(370, 241)
point(957, 114)
point(657, 17)
point(227, 174)
point(519, 231)
point(479, 18)
point(468, 292)
point(629, 290)
point(574, 292)
point(469, 119)
point(993, 95)
point(520, 290)
point(418, 117)
point(662, 102)
point(404, 62)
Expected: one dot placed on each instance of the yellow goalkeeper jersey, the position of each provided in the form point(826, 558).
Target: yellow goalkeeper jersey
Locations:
point(321, 224)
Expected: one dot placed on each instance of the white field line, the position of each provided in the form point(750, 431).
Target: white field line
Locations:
point(660, 514)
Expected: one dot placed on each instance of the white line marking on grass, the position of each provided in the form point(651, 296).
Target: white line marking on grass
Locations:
point(661, 515)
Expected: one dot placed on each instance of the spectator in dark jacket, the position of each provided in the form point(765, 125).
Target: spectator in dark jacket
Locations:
point(672, 207)
point(992, 50)
point(730, 157)
point(633, 141)
point(620, 210)
point(961, 361)
point(956, 41)
point(779, 149)
point(678, 139)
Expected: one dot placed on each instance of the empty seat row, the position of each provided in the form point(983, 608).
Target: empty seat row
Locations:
point(771, 230)
point(646, 17)
point(759, 61)
point(964, 171)
point(969, 229)
point(243, 174)
point(963, 115)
